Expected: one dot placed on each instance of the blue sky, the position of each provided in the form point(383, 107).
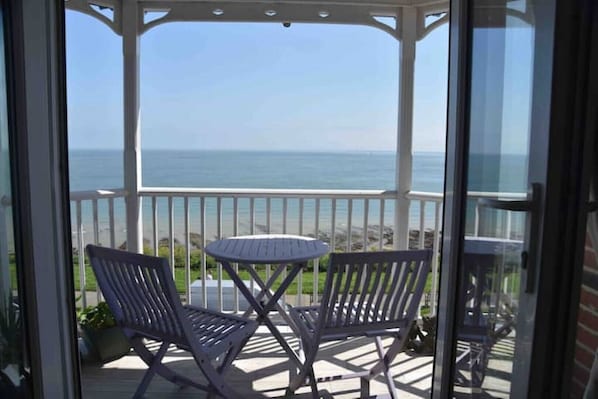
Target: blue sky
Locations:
point(254, 86)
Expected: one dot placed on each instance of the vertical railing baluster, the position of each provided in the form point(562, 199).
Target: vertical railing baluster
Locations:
point(422, 222)
point(435, 249)
point(333, 222)
point(268, 216)
point(285, 206)
point(365, 237)
point(96, 227)
point(300, 276)
point(204, 258)
point(316, 272)
point(366, 211)
point(96, 238)
point(171, 235)
point(111, 223)
point(349, 224)
point(285, 210)
point(476, 220)
point(381, 227)
point(268, 231)
point(81, 256)
point(155, 223)
point(301, 212)
point(219, 234)
point(235, 265)
point(187, 252)
point(251, 216)
point(509, 218)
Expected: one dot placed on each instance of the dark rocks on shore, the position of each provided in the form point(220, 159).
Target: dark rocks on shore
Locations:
point(428, 238)
point(373, 242)
point(123, 246)
point(340, 239)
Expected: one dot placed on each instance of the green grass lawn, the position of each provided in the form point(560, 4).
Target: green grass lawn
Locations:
point(307, 278)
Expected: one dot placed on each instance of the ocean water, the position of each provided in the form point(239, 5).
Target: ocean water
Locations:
point(102, 169)
point(93, 169)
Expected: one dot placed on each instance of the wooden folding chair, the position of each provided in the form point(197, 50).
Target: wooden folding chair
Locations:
point(140, 291)
point(371, 294)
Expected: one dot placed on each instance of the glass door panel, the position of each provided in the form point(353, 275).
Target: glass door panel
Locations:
point(13, 360)
point(492, 278)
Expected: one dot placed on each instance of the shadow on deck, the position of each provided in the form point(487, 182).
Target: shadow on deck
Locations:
point(261, 371)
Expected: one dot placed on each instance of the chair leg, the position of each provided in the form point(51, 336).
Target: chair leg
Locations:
point(293, 369)
point(392, 389)
point(314, 386)
point(214, 375)
point(158, 368)
point(229, 357)
point(364, 388)
point(149, 374)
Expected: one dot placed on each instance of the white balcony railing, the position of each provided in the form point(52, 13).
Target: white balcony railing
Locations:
point(348, 220)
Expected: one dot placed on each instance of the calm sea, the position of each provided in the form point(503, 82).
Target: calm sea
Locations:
point(103, 169)
point(93, 169)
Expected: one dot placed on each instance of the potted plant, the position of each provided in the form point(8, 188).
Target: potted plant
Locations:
point(104, 340)
point(12, 371)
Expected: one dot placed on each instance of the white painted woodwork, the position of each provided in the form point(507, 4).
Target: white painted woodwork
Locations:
point(431, 201)
point(404, 166)
point(132, 124)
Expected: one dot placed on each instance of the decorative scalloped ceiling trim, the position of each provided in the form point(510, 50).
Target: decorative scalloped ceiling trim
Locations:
point(154, 15)
point(107, 12)
point(431, 22)
point(104, 12)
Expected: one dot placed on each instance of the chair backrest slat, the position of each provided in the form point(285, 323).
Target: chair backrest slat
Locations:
point(138, 309)
point(160, 310)
point(366, 281)
point(408, 278)
point(394, 276)
point(372, 290)
point(140, 291)
point(419, 275)
point(387, 276)
point(353, 309)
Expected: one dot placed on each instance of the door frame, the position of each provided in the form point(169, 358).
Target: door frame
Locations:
point(36, 92)
point(566, 153)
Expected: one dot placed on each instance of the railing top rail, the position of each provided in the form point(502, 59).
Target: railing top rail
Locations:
point(275, 193)
point(97, 194)
point(433, 196)
point(424, 195)
point(490, 194)
point(266, 192)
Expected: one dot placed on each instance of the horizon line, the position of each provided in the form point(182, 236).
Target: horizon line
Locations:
point(253, 150)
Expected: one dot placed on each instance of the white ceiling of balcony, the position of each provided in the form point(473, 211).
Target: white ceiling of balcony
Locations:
point(381, 14)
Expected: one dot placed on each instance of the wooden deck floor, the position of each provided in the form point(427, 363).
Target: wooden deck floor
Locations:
point(261, 371)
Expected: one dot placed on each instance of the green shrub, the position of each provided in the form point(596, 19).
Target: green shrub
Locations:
point(97, 317)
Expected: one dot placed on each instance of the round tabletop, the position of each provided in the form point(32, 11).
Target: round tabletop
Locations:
point(267, 248)
point(490, 245)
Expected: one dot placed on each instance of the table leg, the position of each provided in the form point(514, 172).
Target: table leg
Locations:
point(265, 287)
point(241, 286)
point(262, 311)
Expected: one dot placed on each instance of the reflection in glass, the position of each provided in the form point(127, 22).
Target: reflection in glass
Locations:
point(13, 367)
point(489, 286)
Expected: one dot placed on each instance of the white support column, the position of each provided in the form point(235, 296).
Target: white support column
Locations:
point(132, 124)
point(408, 27)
